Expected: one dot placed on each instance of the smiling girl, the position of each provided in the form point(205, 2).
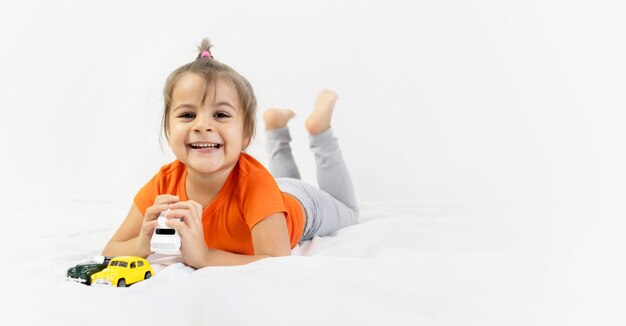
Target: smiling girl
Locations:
point(227, 208)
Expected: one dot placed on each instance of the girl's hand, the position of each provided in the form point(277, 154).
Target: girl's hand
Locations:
point(193, 248)
point(161, 204)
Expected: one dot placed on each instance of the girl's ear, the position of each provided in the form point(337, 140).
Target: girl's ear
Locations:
point(246, 143)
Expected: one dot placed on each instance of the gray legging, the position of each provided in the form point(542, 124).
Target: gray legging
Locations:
point(328, 208)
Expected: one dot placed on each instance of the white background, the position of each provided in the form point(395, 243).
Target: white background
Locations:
point(512, 107)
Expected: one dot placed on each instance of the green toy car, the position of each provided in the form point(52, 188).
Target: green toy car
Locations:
point(82, 272)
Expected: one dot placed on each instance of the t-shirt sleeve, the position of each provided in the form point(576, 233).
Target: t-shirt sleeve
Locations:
point(261, 198)
point(146, 195)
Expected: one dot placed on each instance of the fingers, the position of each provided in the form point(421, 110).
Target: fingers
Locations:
point(180, 226)
point(153, 211)
point(182, 216)
point(148, 227)
point(161, 203)
point(177, 224)
point(190, 211)
point(190, 204)
point(166, 199)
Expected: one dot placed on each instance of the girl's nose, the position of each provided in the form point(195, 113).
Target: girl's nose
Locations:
point(203, 128)
point(203, 125)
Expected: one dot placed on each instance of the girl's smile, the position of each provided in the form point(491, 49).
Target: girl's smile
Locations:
point(205, 147)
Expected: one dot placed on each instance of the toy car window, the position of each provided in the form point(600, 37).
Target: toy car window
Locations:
point(140, 263)
point(119, 263)
point(132, 265)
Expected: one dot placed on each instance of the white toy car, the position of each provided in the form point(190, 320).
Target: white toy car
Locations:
point(165, 240)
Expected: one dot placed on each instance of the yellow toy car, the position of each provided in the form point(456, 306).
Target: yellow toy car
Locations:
point(123, 271)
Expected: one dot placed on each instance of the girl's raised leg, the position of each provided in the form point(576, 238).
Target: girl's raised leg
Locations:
point(281, 161)
point(332, 173)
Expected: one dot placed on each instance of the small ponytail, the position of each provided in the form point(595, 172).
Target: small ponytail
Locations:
point(205, 49)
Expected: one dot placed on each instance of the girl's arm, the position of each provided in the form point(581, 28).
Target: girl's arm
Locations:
point(124, 241)
point(133, 236)
point(270, 238)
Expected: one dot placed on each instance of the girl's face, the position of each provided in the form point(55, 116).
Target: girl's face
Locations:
point(206, 125)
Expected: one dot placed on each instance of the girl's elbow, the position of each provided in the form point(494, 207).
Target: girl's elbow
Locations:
point(280, 253)
point(284, 254)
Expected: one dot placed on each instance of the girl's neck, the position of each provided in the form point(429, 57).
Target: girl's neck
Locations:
point(203, 188)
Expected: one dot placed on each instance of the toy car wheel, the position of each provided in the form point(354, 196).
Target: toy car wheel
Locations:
point(147, 276)
point(121, 283)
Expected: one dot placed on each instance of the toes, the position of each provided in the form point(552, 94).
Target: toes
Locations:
point(277, 118)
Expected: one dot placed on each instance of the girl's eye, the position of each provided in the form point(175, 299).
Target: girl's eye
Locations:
point(221, 115)
point(187, 115)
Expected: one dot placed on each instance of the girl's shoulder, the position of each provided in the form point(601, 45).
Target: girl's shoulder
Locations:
point(176, 167)
point(254, 184)
point(170, 172)
point(248, 166)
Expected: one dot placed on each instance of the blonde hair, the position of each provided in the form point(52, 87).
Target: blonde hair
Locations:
point(212, 70)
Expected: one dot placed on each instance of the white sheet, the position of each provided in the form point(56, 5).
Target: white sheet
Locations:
point(394, 267)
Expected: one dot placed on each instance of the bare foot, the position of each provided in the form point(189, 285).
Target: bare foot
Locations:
point(319, 120)
point(277, 118)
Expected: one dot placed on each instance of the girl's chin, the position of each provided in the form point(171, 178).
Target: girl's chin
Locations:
point(208, 168)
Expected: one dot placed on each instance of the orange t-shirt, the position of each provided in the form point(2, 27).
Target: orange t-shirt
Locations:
point(249, 195)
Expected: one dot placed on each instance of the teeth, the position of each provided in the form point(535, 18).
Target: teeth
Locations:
point(205, 145)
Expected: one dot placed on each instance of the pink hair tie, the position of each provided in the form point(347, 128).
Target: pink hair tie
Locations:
point(206, 54)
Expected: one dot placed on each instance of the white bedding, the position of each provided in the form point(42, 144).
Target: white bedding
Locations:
point(394, 267)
